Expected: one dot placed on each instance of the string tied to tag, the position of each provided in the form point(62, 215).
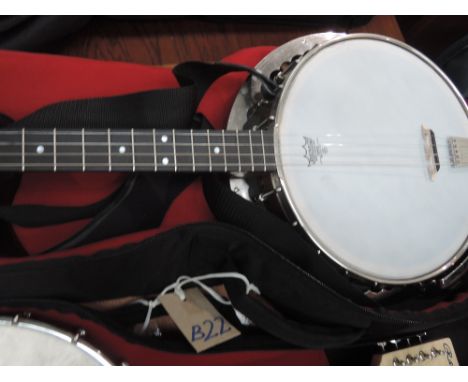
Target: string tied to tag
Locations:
point(182, 281)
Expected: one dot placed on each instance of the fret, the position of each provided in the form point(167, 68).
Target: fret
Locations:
point(96, 152)
point(245, 151)
point(193, 150)
point(154, 151)
point(11, 151)
point(83, 150)
point(201, 151)
point(109, 153)
point(183, 152)
point(251, 151)
point(263, 152)
point(224, 151)
point(268, 147)
point(23, 155)
point(144, 150)
point(257, 151)
point(209, 149)
point(231, 151)
point(165, 154)
point(55, 148)
point(133, 150)
point(69, 150)
point(122, 153)
point(39, 150)
point(238, 150)
point(175, 151)
point(216, 151)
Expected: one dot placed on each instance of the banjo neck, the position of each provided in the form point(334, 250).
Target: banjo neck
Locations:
point(132, 150)
point(136, 150)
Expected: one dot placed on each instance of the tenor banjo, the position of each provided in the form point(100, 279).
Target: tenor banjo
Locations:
point(365, 148)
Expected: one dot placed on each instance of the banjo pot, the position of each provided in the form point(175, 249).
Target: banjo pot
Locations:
point(371, 148)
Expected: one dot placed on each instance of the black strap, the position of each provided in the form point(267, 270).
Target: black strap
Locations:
point(454, 62)
point(203, 74)
point(162, 108)
point(33, 215)
point(5, 119)
point(231, 208)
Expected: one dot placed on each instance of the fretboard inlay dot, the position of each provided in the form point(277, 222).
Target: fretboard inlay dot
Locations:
point(122, 149)
point(40, 149)
point(216, 150)
point(165, 161)
point(164, 138)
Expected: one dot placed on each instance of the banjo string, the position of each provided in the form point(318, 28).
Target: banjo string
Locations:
point(213, 144)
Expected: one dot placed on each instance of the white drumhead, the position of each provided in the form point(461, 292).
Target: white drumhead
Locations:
point(31, 343)
point(370, 205)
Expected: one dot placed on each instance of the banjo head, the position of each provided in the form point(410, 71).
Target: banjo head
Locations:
point(355, 165)
point(25, 342)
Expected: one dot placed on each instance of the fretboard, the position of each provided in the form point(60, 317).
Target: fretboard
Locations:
point(55, 150)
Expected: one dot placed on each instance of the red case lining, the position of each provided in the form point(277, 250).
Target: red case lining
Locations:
point(31, 81)
point(37, 80)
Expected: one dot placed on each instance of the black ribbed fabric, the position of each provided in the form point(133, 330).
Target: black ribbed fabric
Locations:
point(454, 62)
point(161, 108)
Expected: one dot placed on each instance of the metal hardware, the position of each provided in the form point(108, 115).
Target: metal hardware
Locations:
point(401, 343)
point(77, 336)
point(250, 91)
point(263, 124)
point(454, 276)
point(458, 149)
point(382, 345)
point(175, 153)
point(157, 332)
point(422, 356)
point(23, 322)
point(240, 187)
point(23, 153)
point(17, 318)
point(396, 343)
point(266, 195)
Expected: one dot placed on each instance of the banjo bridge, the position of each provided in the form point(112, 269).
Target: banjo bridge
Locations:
point(430, 151)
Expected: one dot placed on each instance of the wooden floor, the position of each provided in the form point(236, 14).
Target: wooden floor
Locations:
point(171, 41)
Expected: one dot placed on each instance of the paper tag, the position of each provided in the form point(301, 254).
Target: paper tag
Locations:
point(198, 320)
point(434, 353)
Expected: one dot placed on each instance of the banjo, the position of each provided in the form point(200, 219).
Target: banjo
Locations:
point(27, 342)
point(365, 148)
